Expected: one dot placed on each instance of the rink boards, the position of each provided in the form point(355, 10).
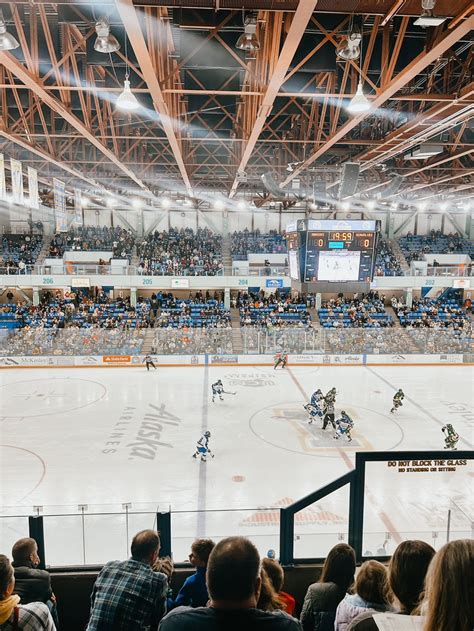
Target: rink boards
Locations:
point(130, 361)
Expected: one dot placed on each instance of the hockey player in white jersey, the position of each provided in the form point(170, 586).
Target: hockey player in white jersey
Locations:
point(202, 447)
point(344, 426)
point(217, 390)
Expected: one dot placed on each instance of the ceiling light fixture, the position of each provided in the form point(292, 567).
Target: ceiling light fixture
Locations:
point(427, 18)
point(219, 204)
point(7, 41)
point(136, 203)
point(105, 42)
point(349, 47)
point(345, 205)
point(422, 205)
point(359, 102)
point(370, 204)
point(248, 41)
point(127, 100)
point(242, 205)
point(85, 201)
point(166, 202)
point(111, 202)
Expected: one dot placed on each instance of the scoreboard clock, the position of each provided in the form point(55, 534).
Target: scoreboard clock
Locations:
point(332, 251)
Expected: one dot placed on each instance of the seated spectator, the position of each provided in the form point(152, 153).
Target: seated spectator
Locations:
point(370, 594)
point(448, 603)
point(406, 578)
point(130, 595)
point(31, 584)
point(234, 584)
point(323, 597)
point(277, 577)
point(194, 590)
point(14, 616)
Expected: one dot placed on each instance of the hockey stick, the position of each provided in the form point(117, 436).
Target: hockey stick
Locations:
point(225, 392)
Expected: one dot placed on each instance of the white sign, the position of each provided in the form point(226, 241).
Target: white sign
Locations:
point(17, 181)
point(180, 283)
point(80, 282)
point(33, 187)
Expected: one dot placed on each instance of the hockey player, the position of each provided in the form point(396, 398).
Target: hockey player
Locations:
point(202, 447)
point(450, 436)
point(314, 412)
point(329, 415)
point(316, 397)
point(280, 358)
point(397, 400)
point(148, 361)
point(344, 426)
point(217, 389)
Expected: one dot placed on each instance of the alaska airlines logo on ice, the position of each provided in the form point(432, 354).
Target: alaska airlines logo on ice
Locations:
point(148, 438)
point(252, 380)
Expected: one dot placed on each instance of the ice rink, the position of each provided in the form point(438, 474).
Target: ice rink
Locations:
point(103, 438)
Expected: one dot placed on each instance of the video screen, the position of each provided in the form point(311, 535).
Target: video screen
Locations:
point(342, 265)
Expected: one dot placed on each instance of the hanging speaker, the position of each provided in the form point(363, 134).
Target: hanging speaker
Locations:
point(392, 187)
point(350, 176)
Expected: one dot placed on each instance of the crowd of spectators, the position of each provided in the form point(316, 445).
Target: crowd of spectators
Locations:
point(415, 246)
point(386, 262)
point(19, 251)
point(277, 310)
point(197, 311)
point(256, 242)
point(234, 589)
point(90, 238)
point(432, 313)
point(365, 311)
point(182, 252)
point(195, 341)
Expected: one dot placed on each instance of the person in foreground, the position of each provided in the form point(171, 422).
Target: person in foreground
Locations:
point(130, 595)
point(234, 584)
point(15, 617)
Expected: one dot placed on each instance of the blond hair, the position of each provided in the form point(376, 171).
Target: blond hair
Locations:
point(449, 595)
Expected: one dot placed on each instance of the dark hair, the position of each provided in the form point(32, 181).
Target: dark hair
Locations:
point(203, 548)
point(339, 566)
point(407, 570)
point(275, 573)
point(6, 574)
point(233, 569)
point(22, 549)
point(145, 543)
point(371, 582)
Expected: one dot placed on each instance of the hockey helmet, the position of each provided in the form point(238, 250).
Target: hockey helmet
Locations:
point(319, 391)
point(207, 434)
point(219, 381)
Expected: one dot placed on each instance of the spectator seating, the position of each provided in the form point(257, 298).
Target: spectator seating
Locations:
point(434, 313)
point(386, 263)
point(89, 238)
point(192, 313)
point(182, 252)
point(275, 310)
point(20, 248)
point(415, 246)
point(256, 242)
point(368, 311)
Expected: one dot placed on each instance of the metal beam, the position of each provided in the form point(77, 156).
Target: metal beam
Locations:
point(297, 29)
point(413, 69)
point(130, 20)
point(15, 67)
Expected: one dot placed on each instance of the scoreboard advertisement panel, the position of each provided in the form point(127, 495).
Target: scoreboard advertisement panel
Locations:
point(333, 251)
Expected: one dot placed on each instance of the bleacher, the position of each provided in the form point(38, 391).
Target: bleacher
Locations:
point(8, 316)
point(187, 313)
point(368, 312)
point(386, 262)
point(20, 247)
point(295, 314)
point(427, 312)
point(255, 242)
point(415, 245)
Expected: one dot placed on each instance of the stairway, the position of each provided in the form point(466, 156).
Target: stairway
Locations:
point(44, 252)
point(400, 256)
point(237, 341)
point(135, 259)
point(227, 255)
point(391, 311)
point(147, 346)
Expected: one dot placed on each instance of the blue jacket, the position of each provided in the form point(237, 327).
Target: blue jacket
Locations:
point(193, 592)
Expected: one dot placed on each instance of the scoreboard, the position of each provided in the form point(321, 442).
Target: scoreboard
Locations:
point(333, 251)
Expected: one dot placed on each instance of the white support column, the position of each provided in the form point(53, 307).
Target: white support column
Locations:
point(36, 297)
point(227, 298)
point(133, 297)
point(409, 298)
point(318, 301)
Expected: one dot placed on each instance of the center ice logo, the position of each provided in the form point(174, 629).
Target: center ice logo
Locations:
point(251, 380)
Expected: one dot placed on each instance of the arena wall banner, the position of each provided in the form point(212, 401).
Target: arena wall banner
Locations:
point(116, 359)
point(3, 189)
point(33, 188)
point(414, 359)
point(17, 181)
point(60, 205)
point(77, 207)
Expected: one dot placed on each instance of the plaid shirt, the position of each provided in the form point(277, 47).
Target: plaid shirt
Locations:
point(31, 617)
point(127, 596)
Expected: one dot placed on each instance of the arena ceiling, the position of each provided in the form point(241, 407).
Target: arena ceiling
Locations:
point(215, 118)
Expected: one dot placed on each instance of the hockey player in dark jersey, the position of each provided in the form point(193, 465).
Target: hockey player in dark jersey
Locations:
point(451, 437)
point(397, 400)
point(280, 359)
point(329, 415)
point(148, 361)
